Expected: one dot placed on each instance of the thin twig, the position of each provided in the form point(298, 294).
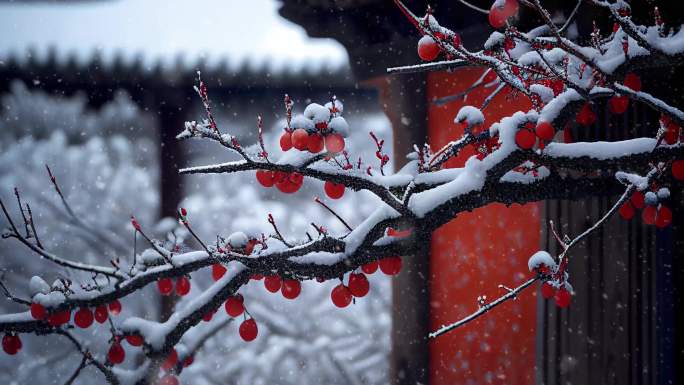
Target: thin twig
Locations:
point(320, 202)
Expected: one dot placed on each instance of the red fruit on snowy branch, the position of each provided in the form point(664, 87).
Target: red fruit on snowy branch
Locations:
point(428, 49)
point(165, 286)
point(116, 353)
point(547, 290)
point(586, 115)
point(562, 298)
point(370, 267)
point(59, 318)
point(272, 283)
point(11, 344)
point(234, 305)
point(649, 215)
point(115, 307)
point(289, 183)
point(390, 265)
point(134, 340)
point(663, 217)
point(286, 141)
point(637, 200)
point(265, 178)
point(341, 296)
point(300, 139)
point(38, 311)
point(217, 271)
point(626, 211)
point(334, 143)
point(171, 360)
point(249, 330)
point(632, 81)
point(333, 190)
point(525, 139)
point(182, 286)
point(545, 131)
point(618, 104)
point(291, 288)
point(358, 285)
point(101, 314)
point(83, 318)
point(315, 143)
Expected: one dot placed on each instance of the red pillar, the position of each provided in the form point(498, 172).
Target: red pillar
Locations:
point(473, 254)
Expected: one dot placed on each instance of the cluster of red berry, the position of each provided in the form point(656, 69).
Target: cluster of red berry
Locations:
point(560, 295)
point(654, 210)
point(165, 286)
point(527, 135)
point(83, 318)
point(116, 355)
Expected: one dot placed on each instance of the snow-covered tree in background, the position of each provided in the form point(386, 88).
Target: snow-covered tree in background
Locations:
point(522, 158)
point(350, 347)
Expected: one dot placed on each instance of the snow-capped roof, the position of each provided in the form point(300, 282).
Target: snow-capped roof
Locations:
point(168, 32)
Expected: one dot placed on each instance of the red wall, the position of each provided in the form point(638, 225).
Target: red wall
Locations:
point(472, 255)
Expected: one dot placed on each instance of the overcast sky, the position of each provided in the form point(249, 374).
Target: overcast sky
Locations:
point(161, 29)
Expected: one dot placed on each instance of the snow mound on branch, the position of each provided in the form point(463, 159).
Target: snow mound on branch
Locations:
point(238, 240)
point(471, 115)
point(545, 93)
point(38, 285)
point(300, 121)
point(601, 150)
point(340, 126)
point(541, 259)
point(317, 113)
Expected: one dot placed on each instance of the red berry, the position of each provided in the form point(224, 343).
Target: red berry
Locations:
point(390, 265)
point(545, 131)
point(116, 354)
point(165, 286)
point(315, 143)
point(358, 285)
point(548, 290)
point(286, 141)
point(101, 314)
point(637, 200)
point(171, 360)
point(83, 318)
point(300, 139)
point(188, 361)
point(265, 178)
point(334, 143)
point(208, 315)
point(586, 115)
point(257, 277)
point(272, 283)
point(626, 211)
point(115, 307)
point(291, 288)
point(168, 380)
point(234, 305)
point(557, 86)
point(249, 330)
point(60, 318)
point(497, 17)
point(456, 41)
point(510, 7)
point(182, 286)
point(370, 267)
point(290, 183)
point(525, 139)
point(428, 49)
point(333, 190)
point(11, 344)
point(664, 217)
point(38, 311)
point(649, 215)
point(678, 169)
point(341, 296)
point(562, 298)
point(217, 271)
point(618, 104)
point(135, 340)
point(672, 133)
point(632, 81)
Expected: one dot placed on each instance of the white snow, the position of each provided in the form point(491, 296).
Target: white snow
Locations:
point(38, 285)
point(471, 115)
point(600, 150)
point(317, 113)
point(340, 126)
point(539, 259)
point(238, 240)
